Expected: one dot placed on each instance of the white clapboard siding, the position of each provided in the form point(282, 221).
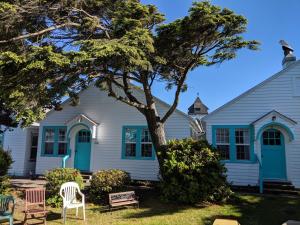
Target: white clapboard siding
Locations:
point(15, 141)
point(112, 115)
point(274, 94)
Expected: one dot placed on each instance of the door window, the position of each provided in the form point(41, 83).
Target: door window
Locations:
point(272, 137)
point(84, 136)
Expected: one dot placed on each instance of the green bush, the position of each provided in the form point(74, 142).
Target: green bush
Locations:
point(191, 172)
point(5, 163)
point(55, 178)
point(107, 181)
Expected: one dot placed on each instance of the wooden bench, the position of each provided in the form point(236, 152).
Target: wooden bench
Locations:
point(122, 199)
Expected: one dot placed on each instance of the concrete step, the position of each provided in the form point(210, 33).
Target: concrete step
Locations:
point(286, 186)
point(280, 191)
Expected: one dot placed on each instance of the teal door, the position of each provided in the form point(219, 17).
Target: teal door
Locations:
point(273, 155)
point(83, 150)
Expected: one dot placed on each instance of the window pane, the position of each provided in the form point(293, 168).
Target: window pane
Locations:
point(223, 151)
point(49, 135)
point(146, 136)
point(130, 135)
point(62, 148)
point(49, 146)
point(222, 135)
point(130, 150)
point(243, 152)
point(146, 150)
point(62, 134)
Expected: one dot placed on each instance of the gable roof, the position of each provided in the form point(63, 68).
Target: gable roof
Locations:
point(292, 65)
point(275, 113)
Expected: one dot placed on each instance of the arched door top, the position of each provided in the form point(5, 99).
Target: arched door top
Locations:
point(276, 125)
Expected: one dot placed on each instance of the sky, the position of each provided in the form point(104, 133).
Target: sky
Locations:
point(268, 22)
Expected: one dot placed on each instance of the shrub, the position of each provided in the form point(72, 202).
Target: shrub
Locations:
point(192, 172)
point(5, 163)
point(107, 181)
point(55, 178)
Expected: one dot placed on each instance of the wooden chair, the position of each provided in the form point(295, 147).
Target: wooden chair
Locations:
point(35, 206)
point(7, 206)
point(68, 192)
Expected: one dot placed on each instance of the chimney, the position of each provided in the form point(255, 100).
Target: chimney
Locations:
point(288, 54)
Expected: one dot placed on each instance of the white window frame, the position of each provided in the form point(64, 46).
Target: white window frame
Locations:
point(148, 142)
point(47, 141)
point(64, 141)
point(131, 142)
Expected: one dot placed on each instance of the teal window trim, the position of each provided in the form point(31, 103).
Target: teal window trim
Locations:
point(138, 144)
point(233, 148)
point(56, 143)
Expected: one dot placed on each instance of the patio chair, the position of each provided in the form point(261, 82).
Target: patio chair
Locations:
point(35, 207)
point(68, 192)
point(7, 206)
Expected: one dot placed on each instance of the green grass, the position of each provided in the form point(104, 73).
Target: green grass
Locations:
point(248, 209)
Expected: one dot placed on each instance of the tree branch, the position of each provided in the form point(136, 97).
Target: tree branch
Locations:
point(39, 32)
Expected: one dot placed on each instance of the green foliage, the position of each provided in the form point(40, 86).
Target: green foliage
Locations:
point(107, 181)
point(192, 172)
point(5, 163)
point(55, 178)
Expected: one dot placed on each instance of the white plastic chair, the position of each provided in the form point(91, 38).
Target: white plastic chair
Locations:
point(68, 192)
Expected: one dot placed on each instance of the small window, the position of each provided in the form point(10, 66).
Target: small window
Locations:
point(84, 136)
point(242, 141)
point(222, 143)
point(272, 137)
point(146, 143)
point(34, 146)
point(62, 141)
point(49, 141)
point(130, 142)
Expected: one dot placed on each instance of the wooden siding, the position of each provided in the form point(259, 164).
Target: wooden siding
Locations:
point(16, 141)
point(106, 150)
point(275, 94)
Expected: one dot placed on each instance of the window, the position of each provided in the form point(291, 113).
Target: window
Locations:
point(272, 137)
point(49, 141)
point(34, 146)
point(84, 136)
point(242, 142)
point(137, 143)
point(146, 143)
point(55, 141)
point(222, 143)
point(234, 142)
point(130, 142)
point(62, 141)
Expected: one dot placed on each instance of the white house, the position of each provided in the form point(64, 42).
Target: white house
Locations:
point(258, 133)
point(99, 133)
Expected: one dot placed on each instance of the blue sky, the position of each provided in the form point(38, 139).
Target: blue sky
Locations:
point(268, 22)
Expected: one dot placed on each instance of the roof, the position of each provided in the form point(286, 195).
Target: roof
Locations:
point(292, 65)
point(198, 104)
point(156, 98)
point(275, 113)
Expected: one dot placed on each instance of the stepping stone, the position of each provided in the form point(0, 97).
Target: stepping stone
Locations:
point(226, 222)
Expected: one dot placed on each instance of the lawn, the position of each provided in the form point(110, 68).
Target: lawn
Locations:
point(248, 209)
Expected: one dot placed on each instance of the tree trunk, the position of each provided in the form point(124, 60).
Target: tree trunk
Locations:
point(158, 136)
